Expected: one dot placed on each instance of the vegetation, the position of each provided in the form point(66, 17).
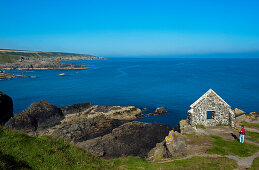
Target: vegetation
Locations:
point(255, 164)
point(44, 152)
point(20, 151)
point(250, 125)
point(7, 58)
point(200, 126)
point(223, 147)
point(253, 136)
point(192, 163)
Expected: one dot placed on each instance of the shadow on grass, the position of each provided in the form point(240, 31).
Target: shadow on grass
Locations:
point(234, 136)
point(9, 162)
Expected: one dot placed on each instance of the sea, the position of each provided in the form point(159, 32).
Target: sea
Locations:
point(173, 83)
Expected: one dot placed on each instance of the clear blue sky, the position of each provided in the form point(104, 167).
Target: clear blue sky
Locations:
point(130, 28)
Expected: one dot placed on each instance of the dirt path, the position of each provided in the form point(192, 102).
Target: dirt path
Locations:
point(242, 162)
point(252, 129)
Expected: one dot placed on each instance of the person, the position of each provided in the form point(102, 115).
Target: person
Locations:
point(242, 134)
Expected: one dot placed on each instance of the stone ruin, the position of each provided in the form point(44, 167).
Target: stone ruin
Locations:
point(210, 110)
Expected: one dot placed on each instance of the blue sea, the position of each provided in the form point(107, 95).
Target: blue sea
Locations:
point(146, 83)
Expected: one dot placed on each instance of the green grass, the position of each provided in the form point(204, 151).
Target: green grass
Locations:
point(192, 163)
point(200, 126)
point(223, 147)
point(255, 164)
point(20, 151)
point(253, 136)
point(46, 152)
point(7, 58)
point(250, 125)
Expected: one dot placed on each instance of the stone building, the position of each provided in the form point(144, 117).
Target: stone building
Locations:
point(210, 110)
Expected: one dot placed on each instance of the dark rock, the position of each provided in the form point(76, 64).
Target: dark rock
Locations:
point(158, 111)
point(83, 129)
point(132, 138)
point(38, 116)
point(6, 108)
point(76, 108)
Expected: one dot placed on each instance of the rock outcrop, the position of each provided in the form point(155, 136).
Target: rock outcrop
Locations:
point(133, 138)
point(116, 112)
point(158, 111)
point(82, 129)
point(6, 108)
point(174, 145)
point(76, 108)
point(37, 117)
point(186, 128)
point(238, 112)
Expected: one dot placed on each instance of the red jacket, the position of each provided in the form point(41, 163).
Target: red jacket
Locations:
point(243, 131)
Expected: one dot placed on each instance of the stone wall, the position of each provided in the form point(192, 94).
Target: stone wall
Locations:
point(223, 115)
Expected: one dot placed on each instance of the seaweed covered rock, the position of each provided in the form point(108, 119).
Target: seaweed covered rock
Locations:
point(38, 116)
point(132, 138)
point(6, 108)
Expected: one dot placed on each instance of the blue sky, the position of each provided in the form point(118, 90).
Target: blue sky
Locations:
point(130, 28)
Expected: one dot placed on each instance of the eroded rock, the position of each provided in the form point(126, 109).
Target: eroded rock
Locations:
point(37, 117)
point(6, 108)
point(133, 138)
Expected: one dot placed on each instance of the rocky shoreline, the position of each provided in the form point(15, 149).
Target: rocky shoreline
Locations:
point(105, 131)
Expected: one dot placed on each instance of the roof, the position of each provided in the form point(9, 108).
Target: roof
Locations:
point(210, 91)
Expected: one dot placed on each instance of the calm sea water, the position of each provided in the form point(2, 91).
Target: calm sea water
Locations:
point(171, 83)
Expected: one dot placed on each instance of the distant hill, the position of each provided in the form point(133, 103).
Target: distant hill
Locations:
point(11, 56)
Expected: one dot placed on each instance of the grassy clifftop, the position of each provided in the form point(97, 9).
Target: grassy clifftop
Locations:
point(8, 58)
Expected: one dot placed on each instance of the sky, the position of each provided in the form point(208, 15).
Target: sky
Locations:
point(130, 27)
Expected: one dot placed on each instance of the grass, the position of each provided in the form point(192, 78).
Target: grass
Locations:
point(253, 136)
point(45, 152)
point(255, 163)
point(7, 58)
point(20, 151)
point(200, 126)
point(223, 147)
point(192, 163)
point(250, 125)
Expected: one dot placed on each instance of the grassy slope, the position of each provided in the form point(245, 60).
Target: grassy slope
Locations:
point(223, 147)
point(25, 152)
point(46, 152)
point(8, 58)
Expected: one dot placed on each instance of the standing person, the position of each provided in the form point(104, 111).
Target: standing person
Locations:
point(242, 134)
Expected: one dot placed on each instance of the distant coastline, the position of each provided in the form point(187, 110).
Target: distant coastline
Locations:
point(35, 60)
